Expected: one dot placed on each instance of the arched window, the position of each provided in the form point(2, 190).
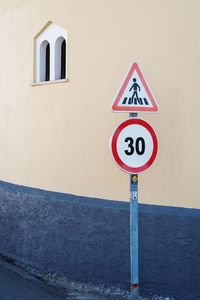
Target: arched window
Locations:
point(50, 54)
point(45, 61)
point(60, 58)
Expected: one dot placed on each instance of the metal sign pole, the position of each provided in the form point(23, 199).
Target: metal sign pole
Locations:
point(134, 232)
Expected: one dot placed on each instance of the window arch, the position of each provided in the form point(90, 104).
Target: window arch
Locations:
point(45, 61)
point(60, 58)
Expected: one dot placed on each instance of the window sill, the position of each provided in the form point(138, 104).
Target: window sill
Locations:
point(49, 82)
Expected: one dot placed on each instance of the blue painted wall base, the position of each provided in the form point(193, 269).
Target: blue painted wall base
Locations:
point(88, 240)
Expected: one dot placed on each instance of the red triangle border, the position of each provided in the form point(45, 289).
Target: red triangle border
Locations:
point(117, 108)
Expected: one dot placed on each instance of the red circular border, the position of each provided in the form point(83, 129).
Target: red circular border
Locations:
point(115, 136)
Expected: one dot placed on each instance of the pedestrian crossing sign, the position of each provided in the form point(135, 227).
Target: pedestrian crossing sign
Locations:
point(134, 94)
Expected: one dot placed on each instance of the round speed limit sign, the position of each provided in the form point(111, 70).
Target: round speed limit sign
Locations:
point(134, 145)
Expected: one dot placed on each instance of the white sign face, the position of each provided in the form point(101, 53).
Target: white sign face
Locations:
point(134, 145)
point(134, 93)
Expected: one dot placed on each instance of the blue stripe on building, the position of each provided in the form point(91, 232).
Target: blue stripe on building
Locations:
point(87, 240)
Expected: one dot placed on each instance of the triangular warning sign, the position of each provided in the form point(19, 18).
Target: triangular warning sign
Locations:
point(134, 94)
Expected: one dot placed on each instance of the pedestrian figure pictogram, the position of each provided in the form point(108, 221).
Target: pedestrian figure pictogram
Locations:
point(135, 99)
point(135, 87)
point(134, 94)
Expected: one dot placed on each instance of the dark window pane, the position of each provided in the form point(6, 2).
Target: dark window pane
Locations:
point(63, 60)
point(47, 70)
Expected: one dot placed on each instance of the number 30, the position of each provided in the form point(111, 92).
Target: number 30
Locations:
point(139, 146)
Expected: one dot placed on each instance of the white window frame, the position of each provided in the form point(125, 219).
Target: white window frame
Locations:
point(50, 33)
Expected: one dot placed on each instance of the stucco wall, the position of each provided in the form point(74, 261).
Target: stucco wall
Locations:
point(56, 136)
point(88, 240)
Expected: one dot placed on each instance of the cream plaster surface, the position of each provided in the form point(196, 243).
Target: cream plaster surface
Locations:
point(56, 136)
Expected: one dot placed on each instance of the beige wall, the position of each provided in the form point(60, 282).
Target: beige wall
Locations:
point(56, 136)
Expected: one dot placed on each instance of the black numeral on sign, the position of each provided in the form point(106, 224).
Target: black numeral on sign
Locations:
point(130, 142)
point(139, 146)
